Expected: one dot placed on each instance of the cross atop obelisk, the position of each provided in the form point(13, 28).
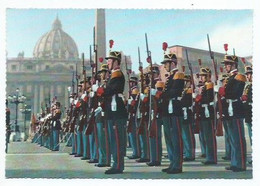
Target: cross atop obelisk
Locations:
point(100, 34)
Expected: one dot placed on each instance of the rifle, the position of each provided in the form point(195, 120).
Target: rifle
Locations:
point(91, 119)
point(84, 110)
point(218, 125)
point(142, 110)
point(131, 107)
point(152, 112)
point(193, 89)
point(72, 82)
point(150, 127)
point(74, 110)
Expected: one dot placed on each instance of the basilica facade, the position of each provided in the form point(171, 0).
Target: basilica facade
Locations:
point(48, 73)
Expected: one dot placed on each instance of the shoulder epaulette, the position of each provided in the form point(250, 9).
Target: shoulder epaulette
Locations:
point(58, 111)
point(189, 91)
point(178, 75)
point(240, 77)
point(116, 73)
point(209, 85)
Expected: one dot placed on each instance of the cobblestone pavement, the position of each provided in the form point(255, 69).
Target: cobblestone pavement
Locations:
point(27, 160)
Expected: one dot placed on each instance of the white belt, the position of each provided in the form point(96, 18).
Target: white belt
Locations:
point(185, 116)
point(206, 105)
point(121, 96)
point(232, 100)
point(187, 108)
point(206, 111)
point(178, 98)
point(230, 107)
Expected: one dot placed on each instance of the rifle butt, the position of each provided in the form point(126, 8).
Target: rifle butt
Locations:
point(152, 131)
point(219, 131)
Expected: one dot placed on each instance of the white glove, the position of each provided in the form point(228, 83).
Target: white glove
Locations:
point(98, 110)
point(216, 88)
point(83, 96)
point(218, 116)
point(194, 95)
point(142, 96)
point(206, 112)
point(230, 109)
point(184, 113)
point(153, 92)
point(91, 94)
point(94, 87)
point(130, 100)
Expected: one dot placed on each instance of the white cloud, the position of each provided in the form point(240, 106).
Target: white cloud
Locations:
point(238, 36)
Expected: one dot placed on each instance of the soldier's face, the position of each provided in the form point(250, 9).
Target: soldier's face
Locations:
point(203, 79)
point(110, 63)
point(131, 84)
point(167, 66)
point(228, 67)
point(79, 88)
point(87, 85)
point(249, 76)
point(103, 75)
point(188, 84)
point(156, 75)
point(83, 86)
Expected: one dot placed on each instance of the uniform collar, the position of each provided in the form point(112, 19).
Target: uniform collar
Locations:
point(173, 71)
point(233, 72)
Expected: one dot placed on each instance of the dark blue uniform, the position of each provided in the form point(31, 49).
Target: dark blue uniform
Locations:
point(234, 90)
point(172, 116)
point(116, 118)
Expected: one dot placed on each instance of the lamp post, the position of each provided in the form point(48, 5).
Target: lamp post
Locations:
point(16, 99)
point(26, 110)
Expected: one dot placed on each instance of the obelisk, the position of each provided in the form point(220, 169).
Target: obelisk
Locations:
point(100, 37)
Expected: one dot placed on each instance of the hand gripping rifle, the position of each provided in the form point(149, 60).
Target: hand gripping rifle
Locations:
point(219, 127)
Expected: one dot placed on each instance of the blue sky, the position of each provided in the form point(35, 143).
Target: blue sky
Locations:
point(127, 29)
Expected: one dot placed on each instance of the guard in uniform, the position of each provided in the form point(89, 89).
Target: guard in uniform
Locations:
point(93, 141)
point(233, 91)
point(155, 138)
point(247, 101)
point(197, 117)
point(56, 126)
point(132, 119)
point(74, 115)
point(85, 112)
point(104, 157)
point(115, 111)
point(142, 123)
point(225, 116)
point(187, 133)
point(155, 131)
point(207, 127)
point(172, 114)
point(79, 140)
point(7, 124)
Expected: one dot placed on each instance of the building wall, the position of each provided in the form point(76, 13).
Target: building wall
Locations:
point(39, 84)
